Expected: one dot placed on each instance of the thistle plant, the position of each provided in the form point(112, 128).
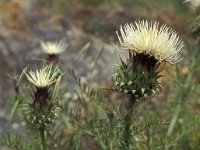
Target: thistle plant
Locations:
point(44, 107)
point(53, 49)
point(148, 46)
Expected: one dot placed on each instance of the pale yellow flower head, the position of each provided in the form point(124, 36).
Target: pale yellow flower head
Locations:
point(194, 4)
point(147, 37)
point(44, 77)
point(53, 48)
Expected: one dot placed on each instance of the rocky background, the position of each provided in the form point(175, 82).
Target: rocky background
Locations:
point(23, 26)
point(25, 23)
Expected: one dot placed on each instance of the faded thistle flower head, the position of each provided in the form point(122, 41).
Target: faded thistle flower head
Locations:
point(148, 46)
point(53, 49)
point(194, 4)
point(45, 83)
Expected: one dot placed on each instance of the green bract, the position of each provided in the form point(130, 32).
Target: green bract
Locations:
point(138, 76)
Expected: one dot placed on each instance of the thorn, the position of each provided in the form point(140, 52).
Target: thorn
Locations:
point(123, 63)
point(143, 90)
point(145, 95)
point(130, 82)
point(133, 91)
point(126, 91)
point(121, 84)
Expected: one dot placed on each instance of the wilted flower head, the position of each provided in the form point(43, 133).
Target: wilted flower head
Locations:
point(54, 48)
point(43, 78)
point(148, 38)
point(194, 4)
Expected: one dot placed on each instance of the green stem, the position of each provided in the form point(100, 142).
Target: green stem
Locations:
point(149, 140)
point(173, 122)
point(43, 139)
point(127, 121)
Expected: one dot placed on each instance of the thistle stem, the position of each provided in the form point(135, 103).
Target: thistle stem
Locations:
point(43, 139)
point(127, 121)
point(173, 121)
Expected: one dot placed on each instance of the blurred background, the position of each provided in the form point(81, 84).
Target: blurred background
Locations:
point(91, 23)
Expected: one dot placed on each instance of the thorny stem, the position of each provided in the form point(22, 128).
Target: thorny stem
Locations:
point(127, 121)
point(43, 139)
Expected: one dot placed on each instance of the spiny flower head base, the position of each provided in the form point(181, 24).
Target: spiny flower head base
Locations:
point(38, 119)
point(160, 42)
point(137, 76)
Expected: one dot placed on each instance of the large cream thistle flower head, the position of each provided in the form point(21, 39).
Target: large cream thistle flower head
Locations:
point(194, 4)
point(43, 78)
point(160, 42)
point(54, 48)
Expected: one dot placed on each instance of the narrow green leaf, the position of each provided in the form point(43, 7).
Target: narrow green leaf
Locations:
point(83, 51)
point(99, 54)
point(14, 108)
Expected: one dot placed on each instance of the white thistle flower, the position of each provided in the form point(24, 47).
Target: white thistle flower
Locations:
point(53, 48)
point(44, 77)
point(160, 42)
point(194, 4)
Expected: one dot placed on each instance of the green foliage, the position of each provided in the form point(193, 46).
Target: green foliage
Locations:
point(89, 92)
point(14, 141)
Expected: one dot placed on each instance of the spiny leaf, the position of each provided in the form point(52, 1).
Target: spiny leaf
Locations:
point(88, 91)
point(99, 54)
point(123, 63)
point(83, 51)
point(23, 72)
point(143, 126)
point(14, 108)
